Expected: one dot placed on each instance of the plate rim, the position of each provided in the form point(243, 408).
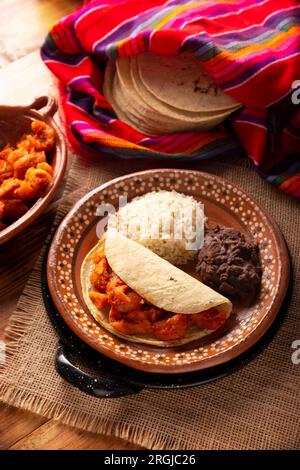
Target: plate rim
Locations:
point(219, 359)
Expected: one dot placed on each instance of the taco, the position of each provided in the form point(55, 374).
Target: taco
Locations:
point(141, 297)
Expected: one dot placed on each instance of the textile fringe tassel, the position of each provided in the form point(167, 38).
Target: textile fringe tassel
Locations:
point(18, 325)
point(100, 425)
point(21, 321)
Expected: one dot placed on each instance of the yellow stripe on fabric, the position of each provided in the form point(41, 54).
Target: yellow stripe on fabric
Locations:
point(293, 179)
point(183, 8)
point(203, 140)
point(120, 43)
point(113, 142)
point(292, 32)
point(258, 47)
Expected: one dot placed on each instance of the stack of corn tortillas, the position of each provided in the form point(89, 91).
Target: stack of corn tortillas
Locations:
point(163, 94)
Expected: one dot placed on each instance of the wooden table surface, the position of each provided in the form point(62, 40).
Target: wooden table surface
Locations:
point(23, 76)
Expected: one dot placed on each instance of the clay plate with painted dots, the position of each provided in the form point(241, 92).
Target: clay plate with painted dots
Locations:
point(225, 204)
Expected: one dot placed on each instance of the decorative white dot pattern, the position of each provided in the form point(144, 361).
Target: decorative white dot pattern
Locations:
point(191, 183)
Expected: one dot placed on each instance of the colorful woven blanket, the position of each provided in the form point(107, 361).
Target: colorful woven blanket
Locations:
point(251, 48)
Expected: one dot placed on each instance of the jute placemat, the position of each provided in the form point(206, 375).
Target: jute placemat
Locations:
point(257, 407)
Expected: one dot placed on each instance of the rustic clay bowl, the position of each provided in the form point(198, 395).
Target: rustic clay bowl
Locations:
point(15, 121)
point(225, 204)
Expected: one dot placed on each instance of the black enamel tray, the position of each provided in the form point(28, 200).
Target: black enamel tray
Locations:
point(111, 379)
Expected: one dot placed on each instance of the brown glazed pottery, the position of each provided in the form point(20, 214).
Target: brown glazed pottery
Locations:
point(225, 204)
point(15, 121)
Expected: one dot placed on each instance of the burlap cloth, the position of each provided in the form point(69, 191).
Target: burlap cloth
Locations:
point(257, 407)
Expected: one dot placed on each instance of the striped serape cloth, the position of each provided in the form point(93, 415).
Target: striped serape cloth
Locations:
point(251, 49)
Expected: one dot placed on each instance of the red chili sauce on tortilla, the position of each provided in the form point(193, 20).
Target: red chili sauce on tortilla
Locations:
point(130, 314)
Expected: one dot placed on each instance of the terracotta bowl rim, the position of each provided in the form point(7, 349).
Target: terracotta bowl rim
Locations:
point(59, 171)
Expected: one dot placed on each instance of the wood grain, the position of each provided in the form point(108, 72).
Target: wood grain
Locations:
point(24, 253)
point(55, 436)
point(23, 26)
point(16, 424)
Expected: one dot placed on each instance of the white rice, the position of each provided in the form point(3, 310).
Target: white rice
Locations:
point(169, 223)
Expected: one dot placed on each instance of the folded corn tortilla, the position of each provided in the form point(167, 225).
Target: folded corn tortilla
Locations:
point(155, 280)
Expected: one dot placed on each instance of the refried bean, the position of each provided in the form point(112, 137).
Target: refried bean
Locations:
point(229, 263)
